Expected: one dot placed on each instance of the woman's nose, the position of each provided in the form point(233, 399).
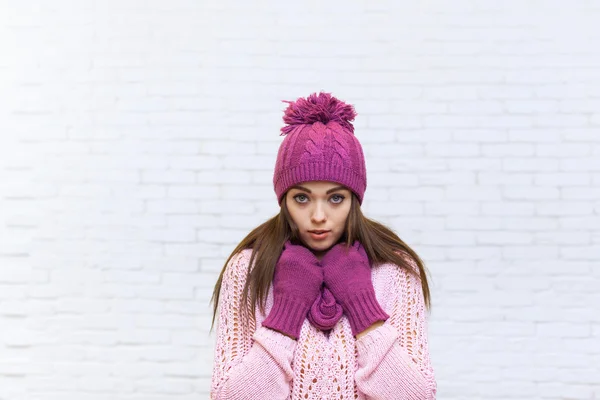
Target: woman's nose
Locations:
point(318, 213)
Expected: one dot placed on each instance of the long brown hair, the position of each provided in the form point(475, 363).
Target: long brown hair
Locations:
point(266, 241)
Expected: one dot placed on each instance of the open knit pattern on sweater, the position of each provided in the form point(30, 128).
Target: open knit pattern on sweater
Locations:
point(392, 361)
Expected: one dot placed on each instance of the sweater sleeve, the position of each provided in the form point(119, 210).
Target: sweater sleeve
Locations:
point(249, 363)
point(393, 359)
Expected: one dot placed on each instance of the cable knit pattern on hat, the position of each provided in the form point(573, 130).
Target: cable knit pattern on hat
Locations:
point(392, 361)
point(319, 144)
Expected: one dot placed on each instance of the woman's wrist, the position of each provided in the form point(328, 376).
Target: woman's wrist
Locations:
point(369, 329)
point(283, 333)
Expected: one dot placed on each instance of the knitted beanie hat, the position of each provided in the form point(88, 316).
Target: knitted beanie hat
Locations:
point(319, 145)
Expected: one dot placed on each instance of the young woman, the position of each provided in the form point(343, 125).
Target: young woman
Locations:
point(320, 302)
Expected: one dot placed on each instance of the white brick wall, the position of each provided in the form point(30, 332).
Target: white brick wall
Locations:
point(138, 138)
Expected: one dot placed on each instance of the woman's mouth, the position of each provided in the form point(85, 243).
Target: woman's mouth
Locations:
point(319, 235)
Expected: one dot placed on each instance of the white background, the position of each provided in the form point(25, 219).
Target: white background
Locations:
point(137, 146)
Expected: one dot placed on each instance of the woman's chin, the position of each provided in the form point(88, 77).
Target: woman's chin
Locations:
point(319, 245)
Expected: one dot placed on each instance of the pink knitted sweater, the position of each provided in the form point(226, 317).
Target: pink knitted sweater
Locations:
point(391, 362)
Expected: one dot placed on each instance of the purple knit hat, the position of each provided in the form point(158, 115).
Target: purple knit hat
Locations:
point(319, 145)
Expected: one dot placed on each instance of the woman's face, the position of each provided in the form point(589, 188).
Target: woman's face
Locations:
point(319, 206)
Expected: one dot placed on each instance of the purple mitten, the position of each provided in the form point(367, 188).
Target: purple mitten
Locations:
point(325, 311)
point(296, 283)
point(348, 276)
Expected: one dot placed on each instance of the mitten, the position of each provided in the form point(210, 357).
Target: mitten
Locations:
point(296, 283)
point(347, 273)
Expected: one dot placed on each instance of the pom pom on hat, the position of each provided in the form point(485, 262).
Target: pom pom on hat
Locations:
point(322, 107)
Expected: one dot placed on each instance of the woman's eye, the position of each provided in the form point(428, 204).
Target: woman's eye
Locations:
point(339, 196)
point(297, 196)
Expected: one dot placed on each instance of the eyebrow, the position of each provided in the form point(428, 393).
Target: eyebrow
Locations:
point(308, 190)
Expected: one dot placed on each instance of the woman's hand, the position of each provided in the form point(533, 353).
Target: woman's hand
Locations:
point(347, 274)
point(296, 284)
